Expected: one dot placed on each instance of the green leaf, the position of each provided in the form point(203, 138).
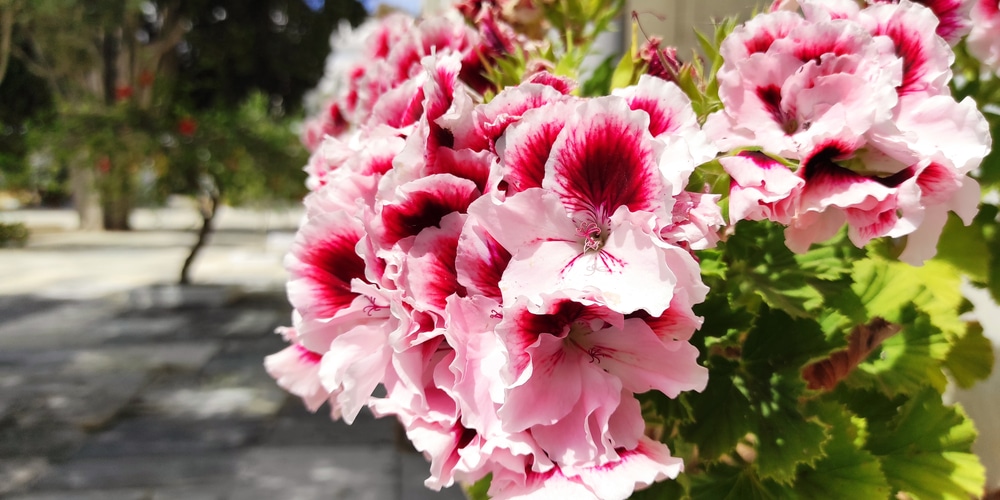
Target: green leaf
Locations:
point(869, 404)
point(941, 297)
point(784, 292)
point(990, 166)
point(884, 288)
point(625, 73)
point(765, 269)
point(993, 283)
point(600, 82)
point(670, 410)
point(827, 263)
point(710, 175)
point(712, 264)
point(725, 482)
point(785, 437)
point(970, 358)
point(925, 450)
point(722, 414)
point(964, 247)
point(779, 342)
point(847, 470)
point(908, 361)
point(844, 311)
point(710, 49)
point(721, 320)
point(676, 488)
point(479, 489)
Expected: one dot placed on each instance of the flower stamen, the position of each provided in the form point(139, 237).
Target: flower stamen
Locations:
point(373, 307)
point(591, 234)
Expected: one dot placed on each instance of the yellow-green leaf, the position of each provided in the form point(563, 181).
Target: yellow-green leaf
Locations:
point(971, 357)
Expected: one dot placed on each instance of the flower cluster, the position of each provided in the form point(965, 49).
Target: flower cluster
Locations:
point(515, 266)
point(844, 116)
point(984, 39)
point(513, 273)
point(382, 82)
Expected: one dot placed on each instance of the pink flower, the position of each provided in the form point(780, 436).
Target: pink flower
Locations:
point(471, 257)
point(761, 188)
point(788, 84)
point(428, 276)
point(833, 195)
point(340, 316)
point(296, 370)
point(492, 119)
point(403, 211)
point(857, 118)
point(368, 153)
point(589, 229)
point(984, 38)
point(597, 358)
point(696, 221)
point(355, 365)
point(649, 461)
point(926, 57)
point(615, 261)
point(953, 17)
point(323, 264)
point(331, 123)
point(480, 261)
point(661, 62)
point(673, 123)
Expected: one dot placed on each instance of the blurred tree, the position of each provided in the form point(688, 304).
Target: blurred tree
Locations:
point(122, 71)
point(234, 156)
point(23, 101)
point(7, 8)
point(96, 58)
point(235, 47)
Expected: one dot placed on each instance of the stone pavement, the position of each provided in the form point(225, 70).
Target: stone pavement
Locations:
point(114, 387)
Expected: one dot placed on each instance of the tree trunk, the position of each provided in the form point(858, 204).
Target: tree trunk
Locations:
point(86, 199)
point(6, 32)
point(109, 58)
point(116, 211)
point(208, 207)
point(117, 189)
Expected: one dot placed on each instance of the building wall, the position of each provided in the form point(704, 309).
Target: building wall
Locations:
point(676, 20)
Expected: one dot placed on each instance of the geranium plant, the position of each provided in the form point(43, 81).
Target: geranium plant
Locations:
point(705, 279)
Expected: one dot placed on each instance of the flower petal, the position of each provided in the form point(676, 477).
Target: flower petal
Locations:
point(603, 159)
point(428, 275)
point(421, 204)
point(526, 146)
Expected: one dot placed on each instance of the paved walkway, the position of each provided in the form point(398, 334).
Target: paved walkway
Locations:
point(112, 387)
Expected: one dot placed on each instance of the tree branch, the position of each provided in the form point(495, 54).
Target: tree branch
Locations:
point(173, 34)
point(6, 33)
point(209, 206)
point(38, 69)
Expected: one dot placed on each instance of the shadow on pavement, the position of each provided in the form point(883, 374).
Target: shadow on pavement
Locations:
point(115, 398)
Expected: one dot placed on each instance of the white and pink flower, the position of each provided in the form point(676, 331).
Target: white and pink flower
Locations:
point(472, 257)
point(953, 17)
point(984, 38)
point(857, 103)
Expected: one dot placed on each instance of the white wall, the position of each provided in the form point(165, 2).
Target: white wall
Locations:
point(676, 20)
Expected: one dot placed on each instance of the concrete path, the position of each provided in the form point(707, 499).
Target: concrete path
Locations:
point(113, 387)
